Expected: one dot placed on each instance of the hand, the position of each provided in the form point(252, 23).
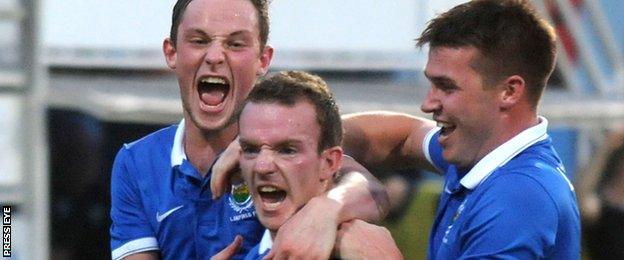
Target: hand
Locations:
point(224, 167)
point(309, 234)
point(229, 251)
point(357, 239)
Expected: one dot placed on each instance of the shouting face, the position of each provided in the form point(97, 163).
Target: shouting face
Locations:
point(280, 160)
point(217, 58)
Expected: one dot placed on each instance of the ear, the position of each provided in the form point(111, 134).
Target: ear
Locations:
point(265, 60)
point(332, 161)
point(170, 53)
point(513, 91)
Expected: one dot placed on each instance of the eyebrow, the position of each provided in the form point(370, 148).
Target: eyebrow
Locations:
point(440, 79)
point(203, 33)
point(283, 143)
point(241, 32)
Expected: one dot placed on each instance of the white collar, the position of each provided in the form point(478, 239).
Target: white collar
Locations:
point(502, 154)
point(266, 243)
point(178, 155)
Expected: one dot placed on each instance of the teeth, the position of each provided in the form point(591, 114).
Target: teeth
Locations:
point(268, 189)
point(442, 124)
point(272, 205)
point(213, 80)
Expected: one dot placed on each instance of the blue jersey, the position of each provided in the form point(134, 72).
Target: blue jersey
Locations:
point(515, 203)
point(161, 202)
point(261, 249)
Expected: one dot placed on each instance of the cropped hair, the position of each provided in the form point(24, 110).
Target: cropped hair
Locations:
point(511, 38)
point(261, 6)
point(289, 87)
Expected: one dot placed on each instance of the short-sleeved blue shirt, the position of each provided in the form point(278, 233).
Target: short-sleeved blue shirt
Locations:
point(515, 203)
point(161, 202)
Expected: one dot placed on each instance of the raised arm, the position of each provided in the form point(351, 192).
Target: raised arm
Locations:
point(311, 233)
point(382, 140)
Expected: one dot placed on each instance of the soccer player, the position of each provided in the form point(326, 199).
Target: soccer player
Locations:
point(506, 195)
point(290, 135)
point(161, 202)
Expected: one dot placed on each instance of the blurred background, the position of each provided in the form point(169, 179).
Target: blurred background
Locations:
point(78, 78)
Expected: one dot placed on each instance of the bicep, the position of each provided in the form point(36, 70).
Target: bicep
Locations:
point(149, 255)
point(386, 139)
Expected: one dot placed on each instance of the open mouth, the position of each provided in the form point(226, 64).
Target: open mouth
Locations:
point(271, 196)
point(213, 90)
point(446, 128)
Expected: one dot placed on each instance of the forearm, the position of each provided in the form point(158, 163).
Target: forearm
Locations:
point(312, 230)
point(386, 140)
point(359, 195)
point(378, 244)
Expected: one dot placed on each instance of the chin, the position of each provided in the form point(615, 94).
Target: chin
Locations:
point(208, 123)
point(272, 223)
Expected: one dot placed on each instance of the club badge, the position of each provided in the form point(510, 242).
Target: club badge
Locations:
point(240, 199)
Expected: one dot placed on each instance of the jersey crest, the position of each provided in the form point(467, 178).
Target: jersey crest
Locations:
point(240, 199)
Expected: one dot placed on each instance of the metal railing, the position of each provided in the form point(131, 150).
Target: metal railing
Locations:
point(593, 36)
point(22, 85)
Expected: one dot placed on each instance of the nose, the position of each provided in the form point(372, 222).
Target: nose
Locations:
point(431, 103)
point(215, 54)
point(265, 163)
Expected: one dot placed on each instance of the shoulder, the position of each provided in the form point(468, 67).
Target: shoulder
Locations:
point(532, 180)
point(154, 148)
point(538, 166)
point(158, 138)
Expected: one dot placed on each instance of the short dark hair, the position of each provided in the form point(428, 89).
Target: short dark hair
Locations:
point(262, 7)
point(511, 37)
point(288, 87)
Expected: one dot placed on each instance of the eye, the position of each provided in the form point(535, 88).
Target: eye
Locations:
point(287, 150)
point(236, 44)
point(250, 150)
point(445, 87)
point(198, 41)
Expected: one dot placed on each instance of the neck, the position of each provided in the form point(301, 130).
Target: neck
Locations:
point(510, 125)
point(202, 147)
point(516, 123)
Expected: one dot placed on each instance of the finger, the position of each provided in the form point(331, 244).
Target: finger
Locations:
point(223, 168)
point(217, 183)
point(229, 251)
point(221, 173)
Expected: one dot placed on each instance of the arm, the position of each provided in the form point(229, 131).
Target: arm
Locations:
point(311, 232)
point(150, 255)
point(378, 242)
point(130, 232)
point(229, 251)
point(386, 140)
point(378, 140)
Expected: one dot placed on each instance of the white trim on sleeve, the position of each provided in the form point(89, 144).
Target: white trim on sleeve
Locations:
point(425, 146)
point(135, 246)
